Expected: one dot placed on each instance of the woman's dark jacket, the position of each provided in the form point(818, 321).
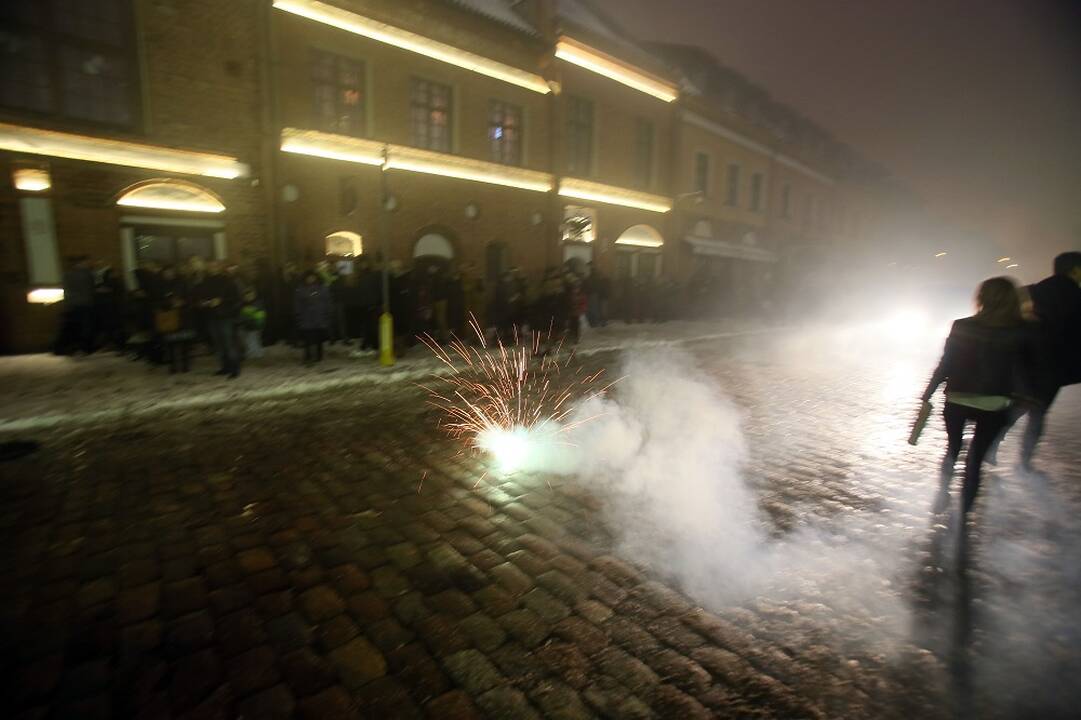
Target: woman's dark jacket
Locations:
point(984, 359)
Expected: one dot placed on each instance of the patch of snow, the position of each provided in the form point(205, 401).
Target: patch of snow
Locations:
point(46, 391)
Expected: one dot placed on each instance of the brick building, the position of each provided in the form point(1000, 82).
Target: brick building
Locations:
point(113, 113)
point(482, 132)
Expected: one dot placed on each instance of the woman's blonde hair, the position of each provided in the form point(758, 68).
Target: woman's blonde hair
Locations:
point(999, 302)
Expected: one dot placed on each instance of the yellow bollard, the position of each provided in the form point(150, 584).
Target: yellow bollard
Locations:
point(386, 340)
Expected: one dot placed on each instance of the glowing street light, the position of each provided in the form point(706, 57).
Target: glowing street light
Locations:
point(1003, 260)
point(1012, 265)
point(941, 254)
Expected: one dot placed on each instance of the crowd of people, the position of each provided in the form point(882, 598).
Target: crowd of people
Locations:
point(236, 311)
point(1009, 360)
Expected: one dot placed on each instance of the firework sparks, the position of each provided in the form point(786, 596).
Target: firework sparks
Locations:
point(505, 400)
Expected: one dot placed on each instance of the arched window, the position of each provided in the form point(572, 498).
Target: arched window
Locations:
point(641, 236)
point(433, 245)
point(344, 243)
point(177, 195)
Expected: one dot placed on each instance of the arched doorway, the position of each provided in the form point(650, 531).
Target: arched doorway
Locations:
point(639, 252)
point(432, 249)
point(171, 222)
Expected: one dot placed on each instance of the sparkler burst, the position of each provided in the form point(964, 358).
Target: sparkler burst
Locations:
point(510, 402)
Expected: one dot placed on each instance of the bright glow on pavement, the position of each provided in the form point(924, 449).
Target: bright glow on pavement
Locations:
point(509, 448)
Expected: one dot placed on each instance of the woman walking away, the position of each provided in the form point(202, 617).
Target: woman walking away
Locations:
point(986, 365)
point(314, 311)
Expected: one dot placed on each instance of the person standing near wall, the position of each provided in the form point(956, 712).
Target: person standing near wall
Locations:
point(252, 321)
point(108, 308)
point(219, 296)
point(172, 320)
point(314, 313)
point(77, 324)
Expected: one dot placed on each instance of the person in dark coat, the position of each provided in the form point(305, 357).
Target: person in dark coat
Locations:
point(550, 312)
point(314, 313)
point(142, 310)
point(597, 288)
point(370, 295)
point(987, 365)
point(455, 288)
point(287, 289)
point(1056, 308)
point(509, 307)
point(574, 306)
point(219, 296)
point(173, 320)
point(77, 323)
point(109, 307)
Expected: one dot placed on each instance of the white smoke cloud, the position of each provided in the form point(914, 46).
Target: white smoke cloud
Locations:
point(666, 453)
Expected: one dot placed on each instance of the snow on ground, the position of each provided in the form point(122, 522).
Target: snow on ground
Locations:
point(43, 391)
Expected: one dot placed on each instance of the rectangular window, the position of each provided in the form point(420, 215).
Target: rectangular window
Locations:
point(338, 93)
point(168, 246)
point(579, 136)
point(756, 192)
point(733, 186)
point(786, 201)
point(643, 153)
point(701, 173)
point(430, 115)
point(505, 132)
point(69, 58)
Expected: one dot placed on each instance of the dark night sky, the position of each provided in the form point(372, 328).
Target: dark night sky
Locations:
point(976, 104)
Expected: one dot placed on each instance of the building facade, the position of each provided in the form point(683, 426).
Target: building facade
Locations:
point(482, 133)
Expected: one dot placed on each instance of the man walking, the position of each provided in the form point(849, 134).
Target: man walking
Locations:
point(219, 295)
point(1056, 305)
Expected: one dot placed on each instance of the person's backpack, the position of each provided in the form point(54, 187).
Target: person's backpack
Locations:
point(167, 321)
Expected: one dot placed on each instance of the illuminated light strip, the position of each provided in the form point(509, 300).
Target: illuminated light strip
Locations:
point(401, 158)
point(45, 296)
point(585, 190)
point(16, 138)
point(381, 32)
point(165, 204)
point(32, 179)
point(583, 56)
point(369, 152)
point(332, 146)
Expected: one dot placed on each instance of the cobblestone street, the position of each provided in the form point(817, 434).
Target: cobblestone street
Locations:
point(329, 554)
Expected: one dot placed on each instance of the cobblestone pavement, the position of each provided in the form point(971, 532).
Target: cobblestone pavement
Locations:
point(327, 555)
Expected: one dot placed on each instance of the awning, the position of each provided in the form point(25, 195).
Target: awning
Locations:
point(723, 248)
